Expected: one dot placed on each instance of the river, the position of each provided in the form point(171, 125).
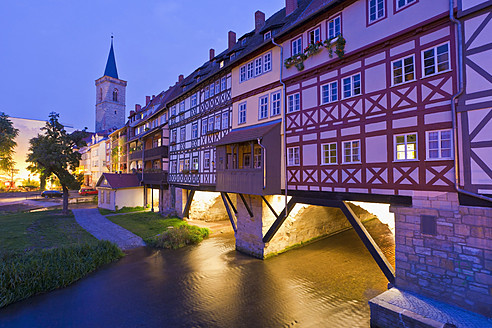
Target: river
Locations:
point(324, 284)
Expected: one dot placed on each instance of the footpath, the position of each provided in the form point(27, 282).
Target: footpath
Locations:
point(97, 225)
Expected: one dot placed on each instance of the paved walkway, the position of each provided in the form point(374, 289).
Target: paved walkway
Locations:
point(96, 224)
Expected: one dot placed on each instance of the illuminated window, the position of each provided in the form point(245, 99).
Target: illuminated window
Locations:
point(257, 157)
point(406, 147)
point(351, 151)
point(195, 163)
point(329, 153)
point(217, 122)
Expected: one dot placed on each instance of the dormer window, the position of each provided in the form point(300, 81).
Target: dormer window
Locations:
point(267, 35)
point(115, 95)
point(243, 42)
point(233, 55)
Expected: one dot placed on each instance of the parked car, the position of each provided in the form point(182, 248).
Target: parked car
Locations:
point(87, 191)
point(51, 194)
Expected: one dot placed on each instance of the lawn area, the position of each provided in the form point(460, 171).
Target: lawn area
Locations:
point(173, 232)
point(46, 250)
point(37, 230)
point(146, 224)
point(125, 209)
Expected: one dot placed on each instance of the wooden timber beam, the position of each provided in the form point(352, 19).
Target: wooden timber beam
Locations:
point(370, 244)
point(280, 220)
point(189, 199)
point(270, 206)
point(229, 214)
point(230, 202)
point(250, 212)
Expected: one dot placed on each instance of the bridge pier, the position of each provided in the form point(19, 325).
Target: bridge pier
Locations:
point(444, 251)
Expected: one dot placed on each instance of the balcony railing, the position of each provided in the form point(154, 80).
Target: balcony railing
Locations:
point(135, 155)
point(155, 177)
point(161, 151)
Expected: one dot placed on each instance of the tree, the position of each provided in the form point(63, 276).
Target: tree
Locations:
point(54, 152)
point(7, 143)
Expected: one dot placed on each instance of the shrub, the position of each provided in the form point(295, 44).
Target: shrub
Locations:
point(179, 237)
point(25, 274)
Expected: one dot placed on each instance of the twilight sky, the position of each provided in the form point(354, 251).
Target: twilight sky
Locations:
point(52, 51)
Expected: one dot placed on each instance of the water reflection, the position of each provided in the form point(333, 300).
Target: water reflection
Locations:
point(325, 284)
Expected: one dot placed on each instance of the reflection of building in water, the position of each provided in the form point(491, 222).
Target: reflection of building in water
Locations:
point(28, 129)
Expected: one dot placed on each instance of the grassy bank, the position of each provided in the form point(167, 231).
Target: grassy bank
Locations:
point(161, 232)
point(25, 274)
point(125, 209)
point(46, 250)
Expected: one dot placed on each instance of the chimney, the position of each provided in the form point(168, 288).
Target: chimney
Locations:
point(137, 108)
point(212, 54)
point(132, 112)
point(259, 20)
point(290, 6)
point(232, 39)
point(147, 100)
point(180, 78)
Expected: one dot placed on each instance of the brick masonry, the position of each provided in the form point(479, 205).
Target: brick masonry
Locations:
point(454, 265)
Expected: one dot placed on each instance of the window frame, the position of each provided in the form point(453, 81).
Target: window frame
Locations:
point(377, 19)
point(344, 161)
point(258, 66)
point(395, 147)
point(223, 84)
point(351, 77)
point(242, 109)
point(333, 19)
point(317, 28)
point(293, 110)
point(194, 100)
point(194, 130)
point(263, 107)
point(435, 57)
point(402, 59)
point(293, 156)
point(226, 120)
point(269, 61)
point(267, 35)
point(408, 3)
point(330, 94)
point(276, 101)
point(292, 46)
point(439, 149)
point(323, 153)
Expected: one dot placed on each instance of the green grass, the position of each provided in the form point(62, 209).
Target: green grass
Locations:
point(45, 229)
point(25, 274)
point(149, 225)
point(46, 250)
point(125, 209)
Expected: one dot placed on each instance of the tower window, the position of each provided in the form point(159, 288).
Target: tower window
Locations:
point(115, 95)
point(115, 112)
point(100, 94)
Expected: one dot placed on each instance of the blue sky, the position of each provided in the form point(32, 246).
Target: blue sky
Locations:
point(52, 51)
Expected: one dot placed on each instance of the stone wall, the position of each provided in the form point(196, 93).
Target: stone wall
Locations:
point(303, 224)
point(208, 206)
point(455, 264)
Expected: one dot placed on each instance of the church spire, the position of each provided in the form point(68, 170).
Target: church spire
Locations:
point(111, 64)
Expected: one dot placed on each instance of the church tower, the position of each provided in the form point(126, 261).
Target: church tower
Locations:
point(110, 97)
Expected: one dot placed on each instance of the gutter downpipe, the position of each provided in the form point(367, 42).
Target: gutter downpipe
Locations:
point(461, 89)
point(264, 162)
point(284, 98)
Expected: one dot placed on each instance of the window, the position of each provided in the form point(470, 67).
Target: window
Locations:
point(115, 95)
point(403, 70)
point(376, 10)
point(329, 92)
point(194, 130)
point(293, 156)
point(258, 66)
point(439, 144)
point(294, 102)
point(211, 90)
point(217, 87)
point(225, 120)
point(187, 164)
point(207, 93)
point(329, 153)
point(297, 46)
point(334, 27)
point(242, 113)
point(436, 59)
point(275, 104)
point(246, 160)
point(211, 124)
point(315, 35)
point(242, 74)
point(174, 167)
point(223, 84)
point(263, 108)
point(406, 146)
point(194, 162)
point(250, 70)
point(351, 86)
point(174, 136)
point(173, 111)
point(182, 106)
point(193, 100)
point(267, 35)
point(221, 64)
point(267, 62)
point(181, 165)
point(217, 122)
point(257, 157)
point(182, 134)
point(204, 126)
point(206, 160)
point(402, 3)
point(351, 151)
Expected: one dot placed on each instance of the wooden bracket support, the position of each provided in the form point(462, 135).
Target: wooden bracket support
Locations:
point(270, 206)
point(229, 213)
point(250, 212)
point(280, 220)
point(230, 202)
point(189, 199)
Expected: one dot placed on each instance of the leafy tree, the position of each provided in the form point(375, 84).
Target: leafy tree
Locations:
point(7, 143)
point(54, 152)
